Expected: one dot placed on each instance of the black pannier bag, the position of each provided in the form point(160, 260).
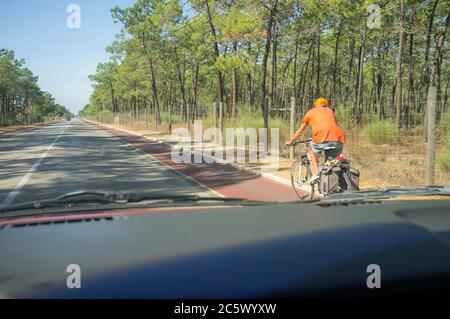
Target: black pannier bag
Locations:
point(338, 178)
point(353, 175)
point(331, 179)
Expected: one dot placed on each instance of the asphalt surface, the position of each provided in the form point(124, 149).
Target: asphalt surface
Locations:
point(70, 156)
point(49, 161)
point(226, 180)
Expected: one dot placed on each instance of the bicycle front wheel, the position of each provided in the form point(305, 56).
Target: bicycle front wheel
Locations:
point(300, 177)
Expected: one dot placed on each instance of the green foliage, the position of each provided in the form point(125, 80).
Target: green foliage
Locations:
point(162, 56)
point(105, 113)
point(443, 161)
point(88, 110)
point(175, 118)
point(444, 122)
point(344, 116)
point(443, 157)
point(381, 132)
point(227, 63)
point(21, 99)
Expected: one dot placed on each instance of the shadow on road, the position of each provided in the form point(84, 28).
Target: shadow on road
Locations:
point(84, 158)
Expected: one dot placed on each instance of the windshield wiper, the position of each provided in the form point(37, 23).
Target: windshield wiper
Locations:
point(383, 193)
point(72, 199)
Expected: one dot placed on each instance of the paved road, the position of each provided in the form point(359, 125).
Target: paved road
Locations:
point(70, 156)
point(224, 179)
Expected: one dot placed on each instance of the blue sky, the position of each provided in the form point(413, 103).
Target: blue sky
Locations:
point(63, 58)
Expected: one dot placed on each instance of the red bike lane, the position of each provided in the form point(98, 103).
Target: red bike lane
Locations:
point(227, 180)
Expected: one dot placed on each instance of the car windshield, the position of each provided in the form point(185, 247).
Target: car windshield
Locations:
point(250, 100)
point(223, 148)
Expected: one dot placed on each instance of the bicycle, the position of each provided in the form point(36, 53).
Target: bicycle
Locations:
point(301, 175)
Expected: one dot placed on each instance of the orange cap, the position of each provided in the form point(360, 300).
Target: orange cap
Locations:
point(321, 102)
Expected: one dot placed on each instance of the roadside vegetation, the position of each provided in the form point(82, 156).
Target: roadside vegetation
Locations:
point(245, 62)
point(380, 132)
point(22, 101)
point(443, 158)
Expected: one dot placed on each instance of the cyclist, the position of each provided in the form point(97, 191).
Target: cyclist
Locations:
point(326, 133)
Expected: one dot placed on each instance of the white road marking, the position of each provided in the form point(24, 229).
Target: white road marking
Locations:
point(16, 190)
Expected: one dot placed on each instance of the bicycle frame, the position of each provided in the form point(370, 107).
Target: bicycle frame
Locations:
point(305, 159)
point(304, 156)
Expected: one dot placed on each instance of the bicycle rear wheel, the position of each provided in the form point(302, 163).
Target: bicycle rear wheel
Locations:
point(300, 176)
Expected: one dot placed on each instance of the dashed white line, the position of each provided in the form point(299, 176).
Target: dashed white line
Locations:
point(16, 190)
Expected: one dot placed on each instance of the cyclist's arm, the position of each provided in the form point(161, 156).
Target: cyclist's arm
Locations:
point(297, 134)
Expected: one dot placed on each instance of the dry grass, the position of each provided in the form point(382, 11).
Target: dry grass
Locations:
point(401, 164)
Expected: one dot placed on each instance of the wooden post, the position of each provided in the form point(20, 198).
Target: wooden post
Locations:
point(137, 115)
point(146, 117)
point(292, 127)
point(431, 106)
point(220, 116)
point(156, 118)
point(170, 118)
point(188, 115)
point(215, 114)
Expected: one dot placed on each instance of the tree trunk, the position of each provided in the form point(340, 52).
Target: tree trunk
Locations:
point(438, 56)
point(427, 68)
point(359, 97)
point(234, 80)
point(195, 89)
point(264, 64)
point(153, 79)
point(305, 75)
point(439, 59)
point(318, 64)
point(336, 48)
point(183, 94)
point(410, 99)
point(295, 66)
point(113, 100)
point(272, 75)
point(219, 98)
point(351, 50)
point(313, 67)
point(380, 87)
point(249, 80)
point(427, 46)
point(398, 72)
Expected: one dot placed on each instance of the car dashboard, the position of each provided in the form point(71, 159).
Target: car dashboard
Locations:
point(278, 251)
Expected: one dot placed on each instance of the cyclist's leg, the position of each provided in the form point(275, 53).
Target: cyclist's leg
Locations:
point(314, 162)
point(314, 153)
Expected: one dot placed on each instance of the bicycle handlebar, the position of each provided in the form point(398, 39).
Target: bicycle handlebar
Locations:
point(302, 141)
